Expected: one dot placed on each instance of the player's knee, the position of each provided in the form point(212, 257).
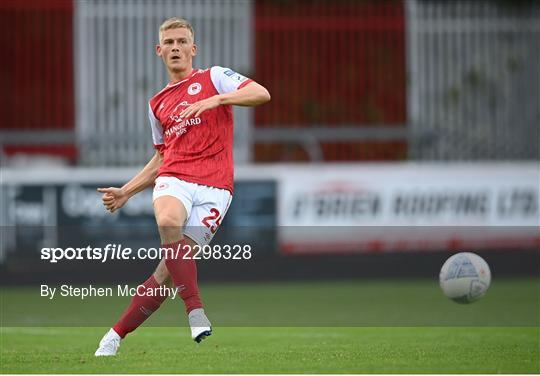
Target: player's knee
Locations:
point(170, 227)
point(168, 220)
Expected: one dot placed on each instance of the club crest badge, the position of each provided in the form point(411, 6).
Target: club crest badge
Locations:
point(194, 88)
point(161, 186)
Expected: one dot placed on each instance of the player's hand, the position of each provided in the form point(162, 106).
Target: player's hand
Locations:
point(199, 107)
point(113, 198)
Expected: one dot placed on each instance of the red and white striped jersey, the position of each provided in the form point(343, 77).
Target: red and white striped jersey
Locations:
point(197, 149)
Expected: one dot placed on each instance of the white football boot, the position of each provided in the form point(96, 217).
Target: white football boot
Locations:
point(200, 325)
point(109, 344)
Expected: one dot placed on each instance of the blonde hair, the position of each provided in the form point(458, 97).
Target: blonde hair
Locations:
point(176, 23)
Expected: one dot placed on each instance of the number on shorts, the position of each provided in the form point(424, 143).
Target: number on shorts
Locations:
point(216, 217)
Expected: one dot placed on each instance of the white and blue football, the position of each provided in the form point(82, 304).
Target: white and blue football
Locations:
point(465, 277)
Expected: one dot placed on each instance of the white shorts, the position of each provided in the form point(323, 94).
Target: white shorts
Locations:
point(206, 206)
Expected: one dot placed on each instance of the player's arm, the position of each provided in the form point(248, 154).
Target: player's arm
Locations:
point(252, 94)
point(114, 198)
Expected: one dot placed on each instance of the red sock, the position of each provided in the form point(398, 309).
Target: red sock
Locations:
point(141, 307)
point(184, 274)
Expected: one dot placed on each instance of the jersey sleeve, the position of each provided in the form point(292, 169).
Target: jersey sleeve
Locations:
point(157, 130)
point(226, 80)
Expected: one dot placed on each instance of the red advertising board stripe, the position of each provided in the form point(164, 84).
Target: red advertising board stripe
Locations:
point(382, 245)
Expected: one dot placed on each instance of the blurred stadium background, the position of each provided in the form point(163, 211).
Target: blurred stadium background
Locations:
point(398, 132)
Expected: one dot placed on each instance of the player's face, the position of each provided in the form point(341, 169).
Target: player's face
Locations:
point(177, 49)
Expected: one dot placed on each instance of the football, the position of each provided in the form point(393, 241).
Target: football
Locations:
point(465, 277)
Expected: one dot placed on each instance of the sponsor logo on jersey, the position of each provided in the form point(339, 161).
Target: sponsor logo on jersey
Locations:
point(181, 128)
point(183, 104)
point(235, 76)
point(194, 88)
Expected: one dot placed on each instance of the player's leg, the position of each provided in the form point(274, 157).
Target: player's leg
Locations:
point(143, 305)
point(139, 309)
point(179, 262)
point(210, 206)
point(183, 272)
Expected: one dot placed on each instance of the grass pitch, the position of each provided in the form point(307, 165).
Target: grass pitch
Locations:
point(320, 327)
point(277, 350)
